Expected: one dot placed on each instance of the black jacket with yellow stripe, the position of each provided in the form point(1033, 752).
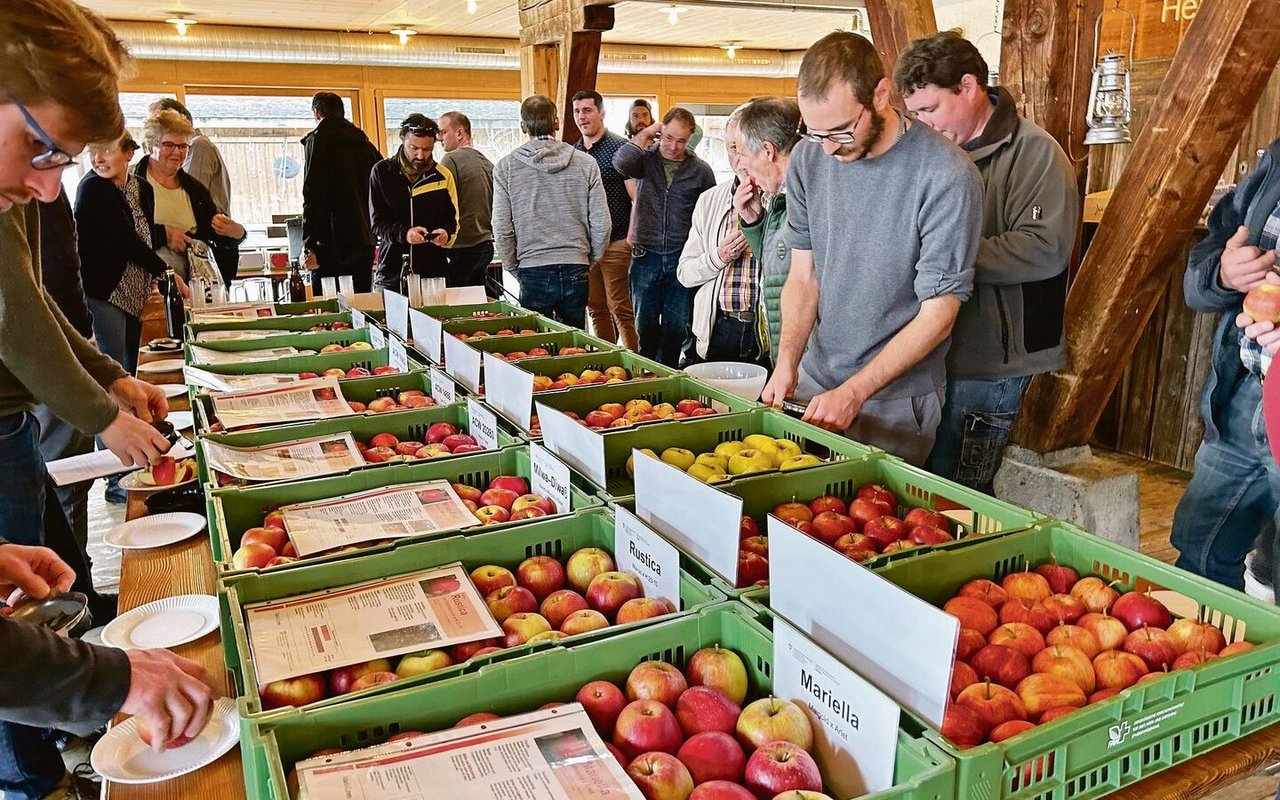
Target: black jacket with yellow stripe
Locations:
point(395, 206)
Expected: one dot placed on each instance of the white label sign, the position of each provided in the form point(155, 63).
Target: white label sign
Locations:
point(701, 520)
point(465, 296)
point(644, 553)
point(442, 389)
point(483, 424)
point(376, 337)
point(580, 446)
point(509, 389)
point(397, 356)
point(807, 584)
point(550, 477)
point(397, 313)
point(426, 331)
point(462, 362)
point(855, 725)
point(358, 320)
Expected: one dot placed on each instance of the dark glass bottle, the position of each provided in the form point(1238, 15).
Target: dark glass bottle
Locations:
point(297, 286)
point(174, 314)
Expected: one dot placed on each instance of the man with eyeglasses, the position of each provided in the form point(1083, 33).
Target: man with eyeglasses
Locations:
point(59, 89)
point(413, 204)
point(883, 220)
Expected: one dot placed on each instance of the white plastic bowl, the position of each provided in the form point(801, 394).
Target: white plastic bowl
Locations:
point(744, 380)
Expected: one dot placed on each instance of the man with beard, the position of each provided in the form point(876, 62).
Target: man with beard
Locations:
point(883, 218)
point(414, 206)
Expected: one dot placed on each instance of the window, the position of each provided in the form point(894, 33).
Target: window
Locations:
point(259, 137)
point(134, 105)
point(495, 124)
point(711, 118)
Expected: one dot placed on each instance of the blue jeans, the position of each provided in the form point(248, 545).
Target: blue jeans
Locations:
point(558, 291)
point(664, 307)
point(1232, 495)
point(977, 417)
point(468, 265)
point(116, 333)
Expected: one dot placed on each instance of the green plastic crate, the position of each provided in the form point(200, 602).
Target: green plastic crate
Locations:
point(295, 364)
point(301, 340)
point(469, 310)
point(532, 321)
point(557, 537)
point(914, 487)
point(552, 341)
point(702, 434)
point(321, 306)
point(234, 510)
point(296, 323)
point(1147, 728)
point(558, 365)
point(272, 745)
point(406, 425)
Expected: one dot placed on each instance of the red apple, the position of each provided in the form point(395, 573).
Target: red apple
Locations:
point(499, 497)
point(252, 556)
point(1153, 645)
point(1074, 636)
point(541, 575)
point(609, 590)
point(987, 591)
point(280, 561)
point(408, 448)
point(968, 643)
point(275, 538)
point(1040, 692)
point(927, 536)
point(1065, 608)
point(341, 679)
point(875, 491)
point(777, 767)
point(373, 679)
point(721, 790)
point(1032, 612)
point(963, 727)
point(656, 680)
point(712, 756)
point(1020, 636)
point(512, 483)
point(1106, 629)
point(721, 669)
point(458, 440)
point(470, 719)
point(993, 703)
point(528, 512)
point(1136, 609)
point(1192, 658)
point(1189, 635)
point(829, 526)
point(972, 613)
point(1053, 713)
point(377, 455)
point(384, 440)
point(932, 519)
point(521, 627)
point(793, 512)
point(752, 569)
point(864, 510)
point(583, 621)
point(465, 651)
point(1066, 662)
point(510, 600)
point(701, 708)
point(1102, 694)
point(1234, 648)
point(661, 776)
point(465, 492)
point(584, 565)
point(603, 702)
point(440, 431)
point(1116, 669)
point(490, 578)
point(962, 677)
point(827, 503)
point(646, 726)
point(1004, 665)
point(638, 608)
point(748, 527)
point(1061, 578)
point(558, 605)
point(492, 515)
point(1026, 585)
point(755, 544)
point(1008, 730)
point(274, 519)
point(884, 530)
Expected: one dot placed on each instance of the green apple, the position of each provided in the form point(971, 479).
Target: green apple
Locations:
point(750, 460)
point(707, 474)
point(678, 457)
point(631, 460)
point(800, 462)
point(712, 460)
point(729, 449)
point(422, 662)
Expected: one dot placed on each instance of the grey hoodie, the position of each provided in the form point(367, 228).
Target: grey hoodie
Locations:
point(549, 207)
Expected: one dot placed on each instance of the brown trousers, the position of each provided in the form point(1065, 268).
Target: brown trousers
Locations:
point(609, 301)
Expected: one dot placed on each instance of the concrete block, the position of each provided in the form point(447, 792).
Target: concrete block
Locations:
point(1073, 486)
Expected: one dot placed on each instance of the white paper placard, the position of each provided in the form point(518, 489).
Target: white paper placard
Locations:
point(915, 670)
point(509, 389)
point(397, 355)
point(397, 306)
point(376, 337)
point(576, 444)
point(483, 424)
point(442, 389)
point(465, 296)
point(645, 554)
point(855, 725)
point(358, 320)
point(426, 331)
point(101, 463)
point(700, 519)
point(549, 477)
point(462, 362)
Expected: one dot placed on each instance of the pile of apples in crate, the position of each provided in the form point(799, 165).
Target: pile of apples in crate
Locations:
point(507, 498)
point(441, 439)
point(349, 374)
point(330, 326)
point(540, 600)
point(588, 377)
point(1041, 644)
point(755, 453)
point(347, 348)
point(687, 736)
point(471, 337)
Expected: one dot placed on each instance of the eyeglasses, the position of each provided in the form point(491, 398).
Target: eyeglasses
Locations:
point(422, 130)
point(169, 147)
point(839, 137)
point(53, 157)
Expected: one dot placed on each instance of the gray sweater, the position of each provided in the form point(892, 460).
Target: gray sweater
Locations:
point(473, 173)
point(549, 207)
point(886, 233)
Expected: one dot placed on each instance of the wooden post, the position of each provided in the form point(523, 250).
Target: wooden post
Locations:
point(560, 52)
point(1214, 82)
point(894, 23)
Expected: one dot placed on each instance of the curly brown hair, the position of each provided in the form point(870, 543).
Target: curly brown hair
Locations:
point(165, 122)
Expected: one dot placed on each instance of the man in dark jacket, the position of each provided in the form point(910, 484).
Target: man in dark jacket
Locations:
point(413, 203)
point(672, 178)
point(335, 195)
point(1011, 329)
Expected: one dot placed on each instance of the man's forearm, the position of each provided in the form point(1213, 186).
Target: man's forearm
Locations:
point(908, 347)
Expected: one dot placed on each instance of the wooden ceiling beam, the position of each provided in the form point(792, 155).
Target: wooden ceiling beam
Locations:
point(894, 23)
point(1213, 83)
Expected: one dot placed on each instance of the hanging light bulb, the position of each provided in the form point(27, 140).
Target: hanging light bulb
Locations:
point(674, 12)
point(181, 23)
point(471, 6)
point(731, 49)
point(403, 34)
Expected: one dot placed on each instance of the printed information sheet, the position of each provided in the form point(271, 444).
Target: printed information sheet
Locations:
point(392, 512)
point(201, 378)
point(203, 355)
point(234, 312)
point(319, 398)
point(246, 334)
point(423, 610)
point(543, 755)
point(300, 458)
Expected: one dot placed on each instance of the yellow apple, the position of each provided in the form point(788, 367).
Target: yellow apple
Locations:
point(776, 456)
point(422, 662)
point(800, 462)
point(360, 346)
point(788, 448)
point(706, 473)
point(712, 460)
point(678, 457)
point(729, 449)
point(631, 460)
point(749, 460)
point(663, 410)
point(757, 440)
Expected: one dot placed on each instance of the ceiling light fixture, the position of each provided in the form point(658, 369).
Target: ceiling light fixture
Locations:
point(471, 6)
point(181, 23)
point(731, 49)
point(403, 34)
point(673, 13)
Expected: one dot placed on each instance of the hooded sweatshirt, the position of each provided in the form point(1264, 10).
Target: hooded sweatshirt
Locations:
point(549, 207)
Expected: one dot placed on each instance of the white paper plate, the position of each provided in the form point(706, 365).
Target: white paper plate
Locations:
point(182, 420)
point(120, 755)
point(130, 483)
point(172, 389)
point(156, 530)
point(163, 365)
point(164, 623)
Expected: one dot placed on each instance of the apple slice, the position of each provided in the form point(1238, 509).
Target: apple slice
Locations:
point(164, 472)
